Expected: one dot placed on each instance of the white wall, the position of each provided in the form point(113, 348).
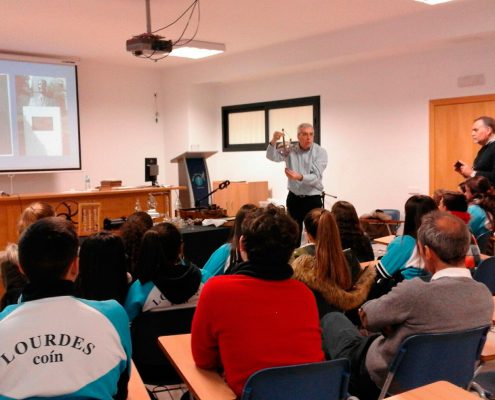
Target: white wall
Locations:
point(117, 126)
point(374, 120)
point(374, 106)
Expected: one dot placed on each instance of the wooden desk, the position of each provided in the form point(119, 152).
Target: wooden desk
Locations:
point(384, 240)
point(115, 203)
point(135, 388)
point(203, 384)
point(436, 391)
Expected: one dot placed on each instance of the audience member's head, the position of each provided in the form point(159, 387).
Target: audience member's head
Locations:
point(102, 268)
point(446, 236)
point(476, 188)
point(453, 201)
point(132, 232)
point(161, 248)
point(33, 213)
point(437, 195)
point(47, 249)
point(331, 264)
point(269, 235)
point(347, 219)
point(416, 206)
point(239, 218)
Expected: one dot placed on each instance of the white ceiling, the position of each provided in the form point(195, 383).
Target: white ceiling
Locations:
point(98, 29)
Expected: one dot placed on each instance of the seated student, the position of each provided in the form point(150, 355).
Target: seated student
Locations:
point(451, 301)
point(53, 344)
point(102, 268)
point(478, 192)
point(327, 272)
point(227, 255)
point(402, 255)
point(131, 232)
point(456, 204)
point(257, 317)
point(351, 233)
point(164, 281)
point(13, 280)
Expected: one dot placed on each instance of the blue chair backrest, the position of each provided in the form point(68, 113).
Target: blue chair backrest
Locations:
point(431, 357)
point(327, 380)
point(394, 213)
point(485, 273)
point(484, 242)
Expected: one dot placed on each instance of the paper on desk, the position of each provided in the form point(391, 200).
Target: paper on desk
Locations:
point(216, 222)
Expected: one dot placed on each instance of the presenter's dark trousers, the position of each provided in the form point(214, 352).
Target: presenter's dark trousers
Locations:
point(299, 206)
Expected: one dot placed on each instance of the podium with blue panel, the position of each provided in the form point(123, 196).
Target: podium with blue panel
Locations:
point(193, 174)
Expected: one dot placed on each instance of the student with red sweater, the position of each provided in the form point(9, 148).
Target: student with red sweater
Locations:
point(258, 317)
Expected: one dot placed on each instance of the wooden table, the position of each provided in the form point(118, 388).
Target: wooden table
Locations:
point(436, 391)
point(114, 203)
point(384, 240)
point(203, 384)
point(135, 388)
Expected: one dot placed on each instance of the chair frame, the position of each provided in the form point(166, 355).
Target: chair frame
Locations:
point(428, 343)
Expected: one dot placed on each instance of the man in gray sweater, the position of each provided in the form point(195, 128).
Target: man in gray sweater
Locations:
point(451, 301)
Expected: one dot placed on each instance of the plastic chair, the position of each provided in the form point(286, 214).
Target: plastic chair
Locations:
point(152, 364)
point(484, 243)
point(394, 216)
point(485, 273)
point(430, 357)
point(394, 213)
point(327, 380)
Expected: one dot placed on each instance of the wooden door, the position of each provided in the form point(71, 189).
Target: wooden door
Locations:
point(450, 136)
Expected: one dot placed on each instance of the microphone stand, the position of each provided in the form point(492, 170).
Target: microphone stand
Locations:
point(222, 186)
point(323, 194)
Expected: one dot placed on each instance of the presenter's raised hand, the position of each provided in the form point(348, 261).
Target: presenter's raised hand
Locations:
point(291, 174)
point(276, 137)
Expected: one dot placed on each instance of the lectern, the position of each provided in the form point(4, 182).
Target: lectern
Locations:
point(193, 174)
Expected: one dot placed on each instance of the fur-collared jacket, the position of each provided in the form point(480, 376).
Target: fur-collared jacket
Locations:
point(334, 296)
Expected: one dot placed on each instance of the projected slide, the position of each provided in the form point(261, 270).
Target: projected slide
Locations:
point(5, 121)
point(43, 104)
point(39, 125)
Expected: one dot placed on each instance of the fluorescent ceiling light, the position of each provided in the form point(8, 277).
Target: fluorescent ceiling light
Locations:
point(196, 49)
point(433, 2)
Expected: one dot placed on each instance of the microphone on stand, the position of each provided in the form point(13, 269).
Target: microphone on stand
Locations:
point(222, 186)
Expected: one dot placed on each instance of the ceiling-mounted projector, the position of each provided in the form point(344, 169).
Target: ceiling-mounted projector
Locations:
point(147, 44)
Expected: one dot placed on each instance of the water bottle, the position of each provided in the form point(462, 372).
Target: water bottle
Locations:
point(137, 206)
point(87, 183)
point(177, 205)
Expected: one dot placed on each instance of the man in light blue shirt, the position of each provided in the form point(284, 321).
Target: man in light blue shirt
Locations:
point(305, 164)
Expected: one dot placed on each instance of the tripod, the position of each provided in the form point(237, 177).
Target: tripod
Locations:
point(323, 194)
